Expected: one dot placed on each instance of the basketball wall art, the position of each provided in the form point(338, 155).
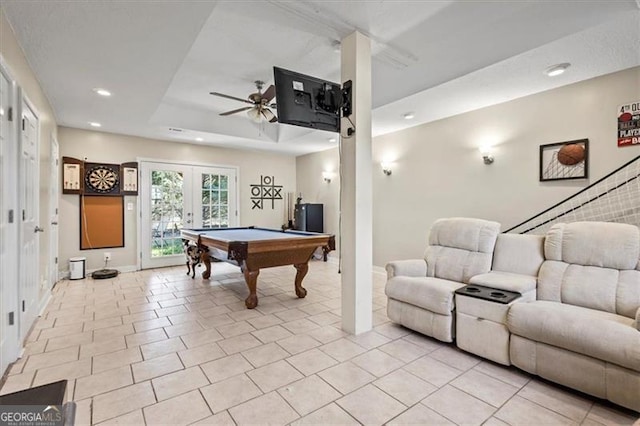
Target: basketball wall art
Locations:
point(629, 124)
point(564, 160)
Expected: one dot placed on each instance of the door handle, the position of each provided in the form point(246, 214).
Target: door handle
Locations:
point(189, 221)
point(38, 229)
point(54, 223)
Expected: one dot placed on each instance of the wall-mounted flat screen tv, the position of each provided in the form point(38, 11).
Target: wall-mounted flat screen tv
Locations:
point(307, 101)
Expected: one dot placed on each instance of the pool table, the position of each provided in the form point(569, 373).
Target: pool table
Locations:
point(254, 248)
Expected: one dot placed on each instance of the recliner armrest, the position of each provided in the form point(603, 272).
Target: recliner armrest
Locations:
point(407, 268)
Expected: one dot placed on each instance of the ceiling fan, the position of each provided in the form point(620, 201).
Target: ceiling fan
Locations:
point(259, 101)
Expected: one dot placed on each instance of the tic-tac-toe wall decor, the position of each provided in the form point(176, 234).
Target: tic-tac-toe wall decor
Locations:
point(265, 190)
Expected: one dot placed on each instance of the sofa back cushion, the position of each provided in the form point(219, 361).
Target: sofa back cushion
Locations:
point(460, 248)
point(593, 265)
point(518, 254)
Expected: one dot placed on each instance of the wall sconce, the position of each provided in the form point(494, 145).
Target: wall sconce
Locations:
point(327, 176)
point(386, 168)
point(487, 156)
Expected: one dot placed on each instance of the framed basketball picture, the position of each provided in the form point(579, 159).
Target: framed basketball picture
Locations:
point(564, 160)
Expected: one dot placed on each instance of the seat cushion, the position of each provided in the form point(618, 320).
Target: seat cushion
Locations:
point(460, 248)
point(601, 244)
point(601, 335)
point(518, 254)
point(432, 294)
point(505, 281)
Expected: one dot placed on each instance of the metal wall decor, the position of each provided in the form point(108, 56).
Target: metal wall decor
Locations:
point(266, 190)
point(629, 124)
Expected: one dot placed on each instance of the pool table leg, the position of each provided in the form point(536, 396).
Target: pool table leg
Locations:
point(251, 278)
point(302, 269)
point(206, 260)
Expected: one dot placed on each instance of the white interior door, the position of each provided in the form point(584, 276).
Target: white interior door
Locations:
point(29, 230)
point(9, 313)
point(53, 212)
point(176, 196)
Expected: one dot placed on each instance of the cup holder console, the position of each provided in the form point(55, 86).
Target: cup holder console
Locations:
point(486, 293)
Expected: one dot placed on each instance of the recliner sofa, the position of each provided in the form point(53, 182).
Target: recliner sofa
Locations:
point(582, 331)
point(578, 322)
point(421, 291)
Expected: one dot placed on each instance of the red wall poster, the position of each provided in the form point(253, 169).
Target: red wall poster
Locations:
point(629, 124)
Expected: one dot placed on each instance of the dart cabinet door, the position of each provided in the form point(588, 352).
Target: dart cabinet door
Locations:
point(101, 222)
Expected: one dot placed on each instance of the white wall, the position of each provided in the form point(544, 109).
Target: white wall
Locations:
point(16, 61)
point(438, 171)
point(314, 189)
point(117, 149)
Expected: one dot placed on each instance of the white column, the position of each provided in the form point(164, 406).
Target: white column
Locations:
point(356, 200)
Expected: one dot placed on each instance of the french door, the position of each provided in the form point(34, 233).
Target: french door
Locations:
point(176, 196)
point(9, 311)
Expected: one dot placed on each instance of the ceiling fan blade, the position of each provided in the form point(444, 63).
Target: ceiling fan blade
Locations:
point(271, 118)
point(231, 97)
point(235, 111)
point(269, 93)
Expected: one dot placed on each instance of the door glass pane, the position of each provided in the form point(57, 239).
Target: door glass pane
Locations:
point(206, 181)
point(224, 217)
point(166, 212)
point(215, 200)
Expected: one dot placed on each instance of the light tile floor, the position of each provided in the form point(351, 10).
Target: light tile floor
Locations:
point(157, 347)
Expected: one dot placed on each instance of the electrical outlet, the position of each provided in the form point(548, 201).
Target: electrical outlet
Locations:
point(107, 256)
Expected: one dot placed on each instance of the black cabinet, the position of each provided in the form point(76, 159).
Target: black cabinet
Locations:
point(309, 217)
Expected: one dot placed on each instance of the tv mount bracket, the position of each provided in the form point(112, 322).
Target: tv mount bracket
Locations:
point(346, 98)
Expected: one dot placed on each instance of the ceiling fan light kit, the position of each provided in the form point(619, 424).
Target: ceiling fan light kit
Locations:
point(305, 101)
point(258, 100)
point(254, 114)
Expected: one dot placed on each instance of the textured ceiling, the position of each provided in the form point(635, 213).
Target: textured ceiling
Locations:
point(437, 59)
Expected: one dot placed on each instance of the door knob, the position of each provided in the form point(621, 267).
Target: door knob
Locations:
point(38, 229)
point(189, 221)
point(54, 223)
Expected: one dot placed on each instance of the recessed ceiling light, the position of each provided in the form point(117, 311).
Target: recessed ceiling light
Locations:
point(94, 124)
point(199, 139)
point(332, 139)
point(102, 92)
point(557, 69)
point(408, 116)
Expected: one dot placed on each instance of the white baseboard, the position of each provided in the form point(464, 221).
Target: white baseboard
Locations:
point(120, 269)
point(335, 260)
point(44, 302)
point(379, 270)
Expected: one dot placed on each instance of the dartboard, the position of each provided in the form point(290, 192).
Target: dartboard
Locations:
point(102, 179)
